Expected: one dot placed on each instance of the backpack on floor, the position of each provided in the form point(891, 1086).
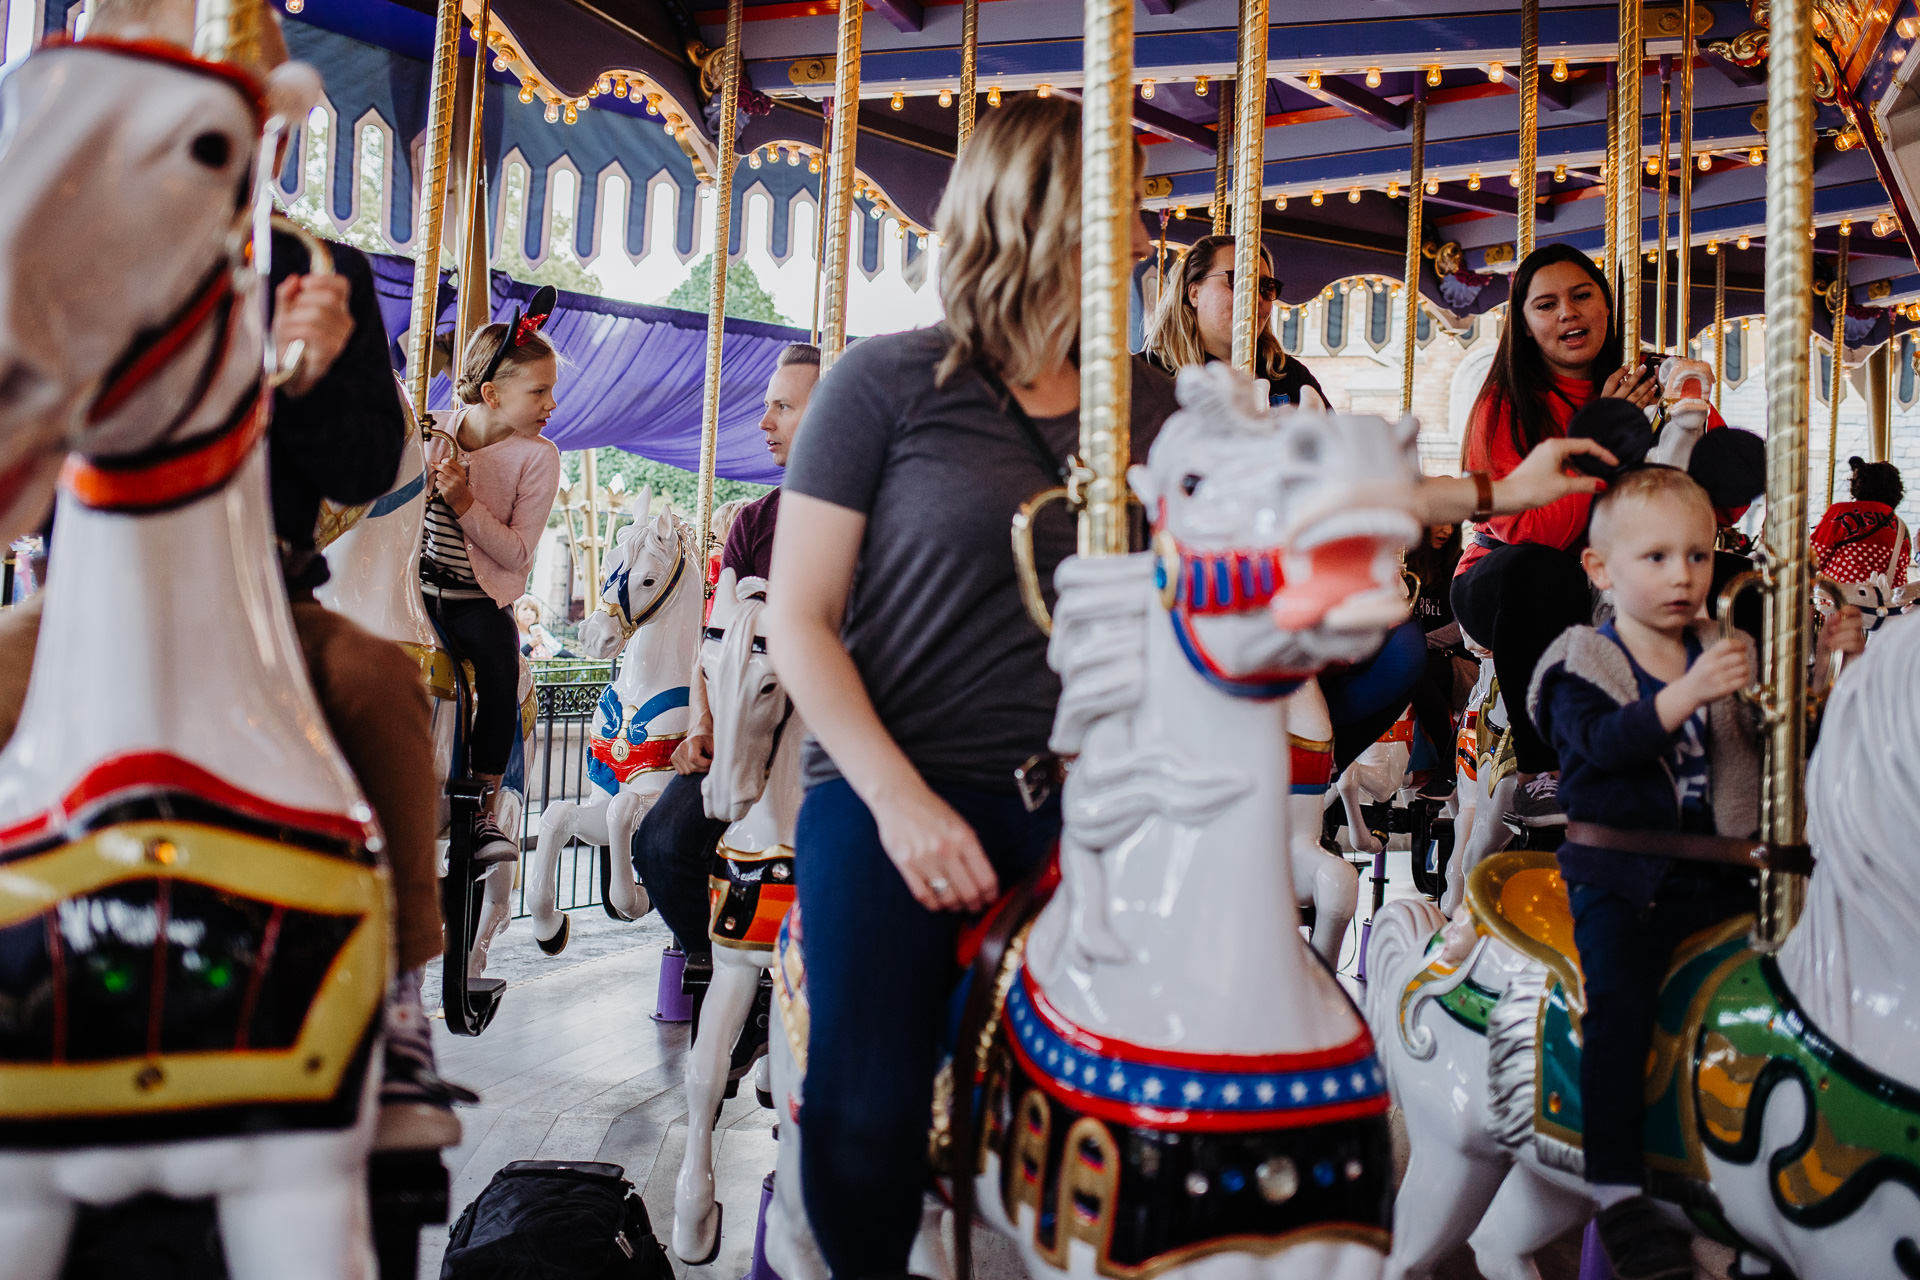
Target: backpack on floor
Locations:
point(555, 1220)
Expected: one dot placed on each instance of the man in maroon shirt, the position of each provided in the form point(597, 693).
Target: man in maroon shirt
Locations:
point(676, 840)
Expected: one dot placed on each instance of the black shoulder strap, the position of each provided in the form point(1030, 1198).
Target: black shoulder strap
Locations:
point(1010, 405)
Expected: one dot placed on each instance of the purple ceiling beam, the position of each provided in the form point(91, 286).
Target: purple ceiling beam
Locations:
point(905, 15)
point(1351, 98)
point(1162, 123)
point(1556, 95)
point(1158, 8)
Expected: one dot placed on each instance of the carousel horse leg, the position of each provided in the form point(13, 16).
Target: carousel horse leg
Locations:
point(696, 1216)
point(1332, 885)
point(1441, 1200)
point(791, 1250)
point(496, 913)
point(295, 1230)
point(929, 1256)
point(625, 896)
point(33, 1232)
point(561, 822)
point(1528, 1214)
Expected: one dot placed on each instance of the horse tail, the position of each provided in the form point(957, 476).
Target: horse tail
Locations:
point(1397, 944)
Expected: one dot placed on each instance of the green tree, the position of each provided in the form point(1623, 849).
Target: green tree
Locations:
point(370, 164)
point(747, 298)
point(563, 268)
point(678, 486)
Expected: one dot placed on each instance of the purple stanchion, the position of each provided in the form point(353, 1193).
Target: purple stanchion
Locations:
point(1593, 1259)
point(670, 1003)
point(760, 1270)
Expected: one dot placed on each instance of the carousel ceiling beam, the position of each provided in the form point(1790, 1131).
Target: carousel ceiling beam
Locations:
point(905, 15)
point(1355, 100)
point(1162, 123)
point(1556, 95)
point(1158, 8)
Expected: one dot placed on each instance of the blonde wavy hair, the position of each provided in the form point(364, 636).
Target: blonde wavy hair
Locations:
point(1173, 331)
point(1009, 227)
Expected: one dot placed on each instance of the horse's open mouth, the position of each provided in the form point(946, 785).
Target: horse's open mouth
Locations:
point(1342, 571)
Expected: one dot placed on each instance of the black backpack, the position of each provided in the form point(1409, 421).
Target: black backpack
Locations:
point(555, 1220)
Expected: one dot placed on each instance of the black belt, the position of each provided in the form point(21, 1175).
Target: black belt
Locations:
point(1725, 850)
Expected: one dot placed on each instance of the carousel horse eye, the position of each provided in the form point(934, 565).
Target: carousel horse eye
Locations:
point(1306, 447)
point(212, 150)
point(646, 582)
point(1189, 483)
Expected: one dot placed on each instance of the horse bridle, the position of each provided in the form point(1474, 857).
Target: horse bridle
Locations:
point(718, 634)
point(631, 624)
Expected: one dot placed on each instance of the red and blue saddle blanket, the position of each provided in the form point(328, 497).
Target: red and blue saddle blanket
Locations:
point(623, 745)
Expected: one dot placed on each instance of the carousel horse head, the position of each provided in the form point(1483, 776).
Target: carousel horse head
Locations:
point(751, 710)
point(1276, 532)
point(134, 175)
point(651, 556)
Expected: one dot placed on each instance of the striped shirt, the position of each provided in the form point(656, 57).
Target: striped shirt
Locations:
point(445, 569)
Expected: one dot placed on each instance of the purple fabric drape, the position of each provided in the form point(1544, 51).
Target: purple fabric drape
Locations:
point(633, 375)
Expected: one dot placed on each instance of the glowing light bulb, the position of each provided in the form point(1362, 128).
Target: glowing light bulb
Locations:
point(875, 212)
point(1756, 155)
point(1433, 77)
point(1883, 225)
point(1846, 228)
point(499, 62)
point(1313, 79)
point(553, 113)
point(1319, 198)
point(1473, 182)
point(603, 85)
point(1713, 248)
point(1653, 165)
point(1433, 186)
point(526, 93)
point(1353, 196)
point(946, 97)
point(753, 159)
point(296, 6)
point(1513, 179)
point(1496, 71)
point(899, 101)
point(1704, 162)
point(813, 164)
point(653, 104)
point(793, 155)
point(619, 86)
point(1199, 86)
point(920, 240)
point(1146, 89)
point(1560, 70)
point(1744, 242)
point(993, 96)
point(1280, 203)
point(1045, 90)
point(1373, 77)
point(1180, 211)
point(572, 114)
point(1559, 173)
point(1393, 190)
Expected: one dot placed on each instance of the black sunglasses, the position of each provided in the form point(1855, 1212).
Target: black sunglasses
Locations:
point(1269, 287)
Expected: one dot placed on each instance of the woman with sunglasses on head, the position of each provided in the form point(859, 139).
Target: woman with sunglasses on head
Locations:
point(1193, 322)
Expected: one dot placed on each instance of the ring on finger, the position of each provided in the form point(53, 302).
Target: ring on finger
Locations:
point(938, 884)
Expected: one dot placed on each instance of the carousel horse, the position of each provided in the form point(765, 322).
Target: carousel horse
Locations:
point(1488, 777)
point(1783, 1112)
point(1322, 879)
point(1208, 1097)
point(194, 919)
point(754, 784)
point(650, 603)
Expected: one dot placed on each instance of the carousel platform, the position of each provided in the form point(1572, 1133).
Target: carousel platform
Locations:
point(574, 1067)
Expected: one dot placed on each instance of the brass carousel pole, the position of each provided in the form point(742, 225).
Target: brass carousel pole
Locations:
point(820, 241)
point(1626, 125)
point(846, 126)
point(717, 298)
point(470, 313)
point(1834, 384)
point(1666, 161)
point(1612, 181)
point(1683, 295)
point(433, 201)
point(969, 65)
point(1719, 325)
point(1249, 173)
point(1223, 153)
point(1416, 206)
point(1789, 265)
point(1529, 125)
point(1106, 226)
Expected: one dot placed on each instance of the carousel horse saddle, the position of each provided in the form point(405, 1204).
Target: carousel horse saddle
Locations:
point(1518, 898)
point(179, 958)
point(437, 670)
point(748, 896)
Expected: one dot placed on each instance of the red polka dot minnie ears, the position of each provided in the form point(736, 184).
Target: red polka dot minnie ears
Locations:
point(523, 326)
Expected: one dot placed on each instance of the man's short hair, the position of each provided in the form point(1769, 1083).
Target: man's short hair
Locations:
point(798, 353)
point(1643, 484)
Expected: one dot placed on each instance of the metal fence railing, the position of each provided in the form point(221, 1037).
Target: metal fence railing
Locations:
point(566, 693)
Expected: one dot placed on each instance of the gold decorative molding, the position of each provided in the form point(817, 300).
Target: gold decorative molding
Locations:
point(1838, 26)
point(810, 71)
point(1879, 291)
point(1664, 22)
point(1159, 188)
point(1499, 255)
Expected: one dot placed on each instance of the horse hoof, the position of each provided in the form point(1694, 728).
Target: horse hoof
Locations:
point(713, 1245)
point(558, 942)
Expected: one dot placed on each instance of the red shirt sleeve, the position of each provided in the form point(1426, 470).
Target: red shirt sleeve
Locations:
point(1560, 524)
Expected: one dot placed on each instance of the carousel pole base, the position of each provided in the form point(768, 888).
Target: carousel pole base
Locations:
point(671, 1003)
point(1593, 1259)
point(760, 1270)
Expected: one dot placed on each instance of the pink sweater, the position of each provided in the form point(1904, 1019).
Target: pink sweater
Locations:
point(514, 482)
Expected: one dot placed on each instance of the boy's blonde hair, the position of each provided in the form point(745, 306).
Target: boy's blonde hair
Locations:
point(1639, 485)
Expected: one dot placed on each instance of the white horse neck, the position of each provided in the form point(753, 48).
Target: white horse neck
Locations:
point(375, 566)
point(1843, 968)
point(661, 654)
point(1206, 910)
point(170, 632)
point(769, 823)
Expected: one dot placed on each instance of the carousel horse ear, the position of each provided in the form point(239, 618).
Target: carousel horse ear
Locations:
point(642, 503)
point(724, 601)
point(292, 90)
point(1141, 481)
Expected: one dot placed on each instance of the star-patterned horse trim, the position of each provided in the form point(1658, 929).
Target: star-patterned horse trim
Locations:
point(622, 748)
point(1165, 1089)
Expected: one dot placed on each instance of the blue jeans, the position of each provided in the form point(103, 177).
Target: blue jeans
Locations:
point(879, 970)
point(1364, 700)
point(672, 850)
point(1625, 949)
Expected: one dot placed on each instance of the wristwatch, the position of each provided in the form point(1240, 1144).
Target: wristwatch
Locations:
point(1482, 496)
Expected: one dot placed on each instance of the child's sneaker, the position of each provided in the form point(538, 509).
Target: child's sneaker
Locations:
point(1536, 803)
point(1642, 1244)
point(416, 1105)
point(491, 844)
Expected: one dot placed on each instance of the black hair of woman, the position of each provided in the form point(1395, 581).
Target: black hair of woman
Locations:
point(1876, 482)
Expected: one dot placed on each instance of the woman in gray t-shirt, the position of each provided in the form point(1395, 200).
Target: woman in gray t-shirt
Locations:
point(898, 630)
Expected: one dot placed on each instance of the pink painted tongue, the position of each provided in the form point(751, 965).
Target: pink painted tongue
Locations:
point(1337, 570)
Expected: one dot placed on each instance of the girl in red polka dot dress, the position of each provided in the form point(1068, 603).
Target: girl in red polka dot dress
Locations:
point(1858, 539)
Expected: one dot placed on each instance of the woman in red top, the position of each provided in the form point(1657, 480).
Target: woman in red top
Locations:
point(1519, 583)
point(1858, 539)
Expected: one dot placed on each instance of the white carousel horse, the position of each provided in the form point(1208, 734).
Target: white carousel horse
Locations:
point(1214, 1038)
point(1485, 791)
point(1321, 879)
point(1785, 1105)
point(755, 784)
point(193, 917)
point(650, 602)
point(1376, 776)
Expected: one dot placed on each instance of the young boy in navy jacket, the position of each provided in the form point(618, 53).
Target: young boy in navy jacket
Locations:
point(1650, 739)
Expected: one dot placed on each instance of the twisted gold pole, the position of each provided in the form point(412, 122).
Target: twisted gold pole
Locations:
point(470, 312)
point(1789, 282)
point(846, 127)
point(1719, 326)
point(1249, 169)
point(1626, 124)
point(1416, 207)
point(1529, 125)
point(1221, 210)
point(1683, 297)
point(820, 208)
point(1666, 159)
point(969, 65)
point(717, 297)
point(1838, 367)
point(433, 201)
point(1612, 176)
point(1106, 239)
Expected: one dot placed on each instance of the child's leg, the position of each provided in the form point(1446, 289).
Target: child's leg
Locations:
point(1622, 962)
point(484, 634)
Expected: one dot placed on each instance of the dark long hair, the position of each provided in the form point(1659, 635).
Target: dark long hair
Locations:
point(1518, 380)
point(1876, 482)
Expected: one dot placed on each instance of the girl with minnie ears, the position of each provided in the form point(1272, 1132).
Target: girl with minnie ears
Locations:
point(488, 503)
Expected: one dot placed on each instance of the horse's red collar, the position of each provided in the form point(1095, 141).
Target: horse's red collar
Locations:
point(171, 475)
point(152, 350)
point(242, 81)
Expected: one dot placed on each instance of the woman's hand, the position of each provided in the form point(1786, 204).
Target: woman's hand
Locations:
point(937, 853)
point(450, 482)
point(1632, 382)
point(1843, 632)
point(313, 310)
point(1542, 475)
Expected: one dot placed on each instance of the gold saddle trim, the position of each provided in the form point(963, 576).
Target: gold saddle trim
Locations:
point(1517, 896)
